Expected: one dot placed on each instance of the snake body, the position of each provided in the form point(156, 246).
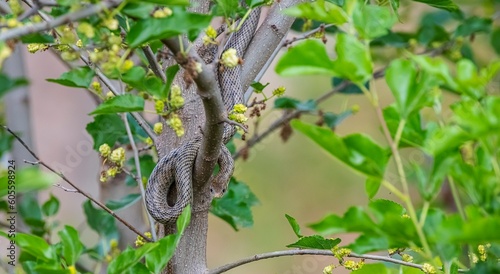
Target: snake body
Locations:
point(177, 166)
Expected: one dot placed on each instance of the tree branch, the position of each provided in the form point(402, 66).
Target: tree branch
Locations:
point(295, 252)
point(266, 42)
point(79, 190)
point(208, 89)
point(61, 20)
point(155, 67)
point(138, 169)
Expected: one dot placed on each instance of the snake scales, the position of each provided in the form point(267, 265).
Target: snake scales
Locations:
point(177, 166)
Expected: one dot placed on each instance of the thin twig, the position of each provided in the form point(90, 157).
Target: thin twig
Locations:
point(295, 252)
point(61, 20)
point(65, 188)
point(153, 64)
point(138, 170)
point(101, 205)
point(306, 35)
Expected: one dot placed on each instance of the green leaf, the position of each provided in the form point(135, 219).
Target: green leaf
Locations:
point(100, 221)
point(51, 206)
point(106, 129)
point(295, 226)
point(119, 104)
point(494, 40)
point(77, 78)
point(226, 8)
point(413, 133)
point(448, 5)
point(350, 88)
point(369, 243)
point(146, 163)
point(138, 10)
point(372, 21)
point(315, 242)
point(410, 88)
point(39, 38)
point(28, 179)
point(165, 2)
point(124, 202)
point(372, 185)
point(34, 246)
point(353, 60)
point(170, 73)
point(258, 87)
point(178, 23)
point(235, 206)
point(130, 257)
point(31, 213)
point(8, 84)
point(330, 224)
point(319, 10)
point(474, 25)
point(290, 103)
point(306, 58)
point(72, 247)
point(357, 151)
point(332, 120)
point(372, 268)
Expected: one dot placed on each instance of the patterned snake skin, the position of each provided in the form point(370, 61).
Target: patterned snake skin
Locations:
point(177, 166)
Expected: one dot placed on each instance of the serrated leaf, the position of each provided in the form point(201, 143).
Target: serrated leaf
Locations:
point(353, 60)
point(34, 246)
point(295, 226)
point(358, 151)
point(124, 202)
point(130, 257)
point(330, 224)
point(100, 221)
point(106, 129)
point(71, 245)
point(235, 206)
point(306, 58)
point(178, 23)
point(78, 78)
point(138, 10)
point(372, 21)
point(473, 25)
point(319, 10)
point(51, 206)
point(315, 242)
point(369, 243)
point(119, 104)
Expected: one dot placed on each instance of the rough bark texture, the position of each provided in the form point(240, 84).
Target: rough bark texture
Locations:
point(190, 256)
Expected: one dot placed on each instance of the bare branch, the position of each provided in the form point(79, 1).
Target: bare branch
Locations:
point(61, 20)
point(295, 252)
point(153, 64)
point(65, 188)
point(306, 35)
point(79, 190)
point(138, 170)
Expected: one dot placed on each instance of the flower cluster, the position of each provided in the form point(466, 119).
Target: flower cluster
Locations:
point(140, 240)
point(238, 113)
point(116, 159)
point(230, 58)
point(210, 35)
point(175, 123)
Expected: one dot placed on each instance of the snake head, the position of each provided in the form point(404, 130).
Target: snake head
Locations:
point(217, 192)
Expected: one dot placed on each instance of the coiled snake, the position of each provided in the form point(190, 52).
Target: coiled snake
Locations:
point(177, 166)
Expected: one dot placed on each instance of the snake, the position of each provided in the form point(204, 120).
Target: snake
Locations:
point(176, 168)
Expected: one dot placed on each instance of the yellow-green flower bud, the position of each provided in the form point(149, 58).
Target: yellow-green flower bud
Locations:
point(109, 95)
point(103, 179)
point(111, 23)
point(406, 216)
point(239, 108)
point(211, 32)
point(279, 91)
point(238, 117)
point(161, 13)
point(79, 43)
point(68, 36)
point(230, 58)
point(118, 156)
point(114, 40)
point(158, 128)
point(86, 29)
point(104, 150)
point(72, 269)
point(159, 106)
point(126, 66)
point(176, 90)
point(69, 55)
point(176, 124)
point(97, 87)
point(328, 269)
point(407, 258)
point(197, 67)
point(355, 108)
point(112, 172)
point(341, 252)
point(429, 269)
point(149, 141)
point(351, 265)
point(12, 23)
point(32, 48)
point(207, 40)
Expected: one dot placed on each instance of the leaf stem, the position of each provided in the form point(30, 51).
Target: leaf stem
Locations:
point(456, 197)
